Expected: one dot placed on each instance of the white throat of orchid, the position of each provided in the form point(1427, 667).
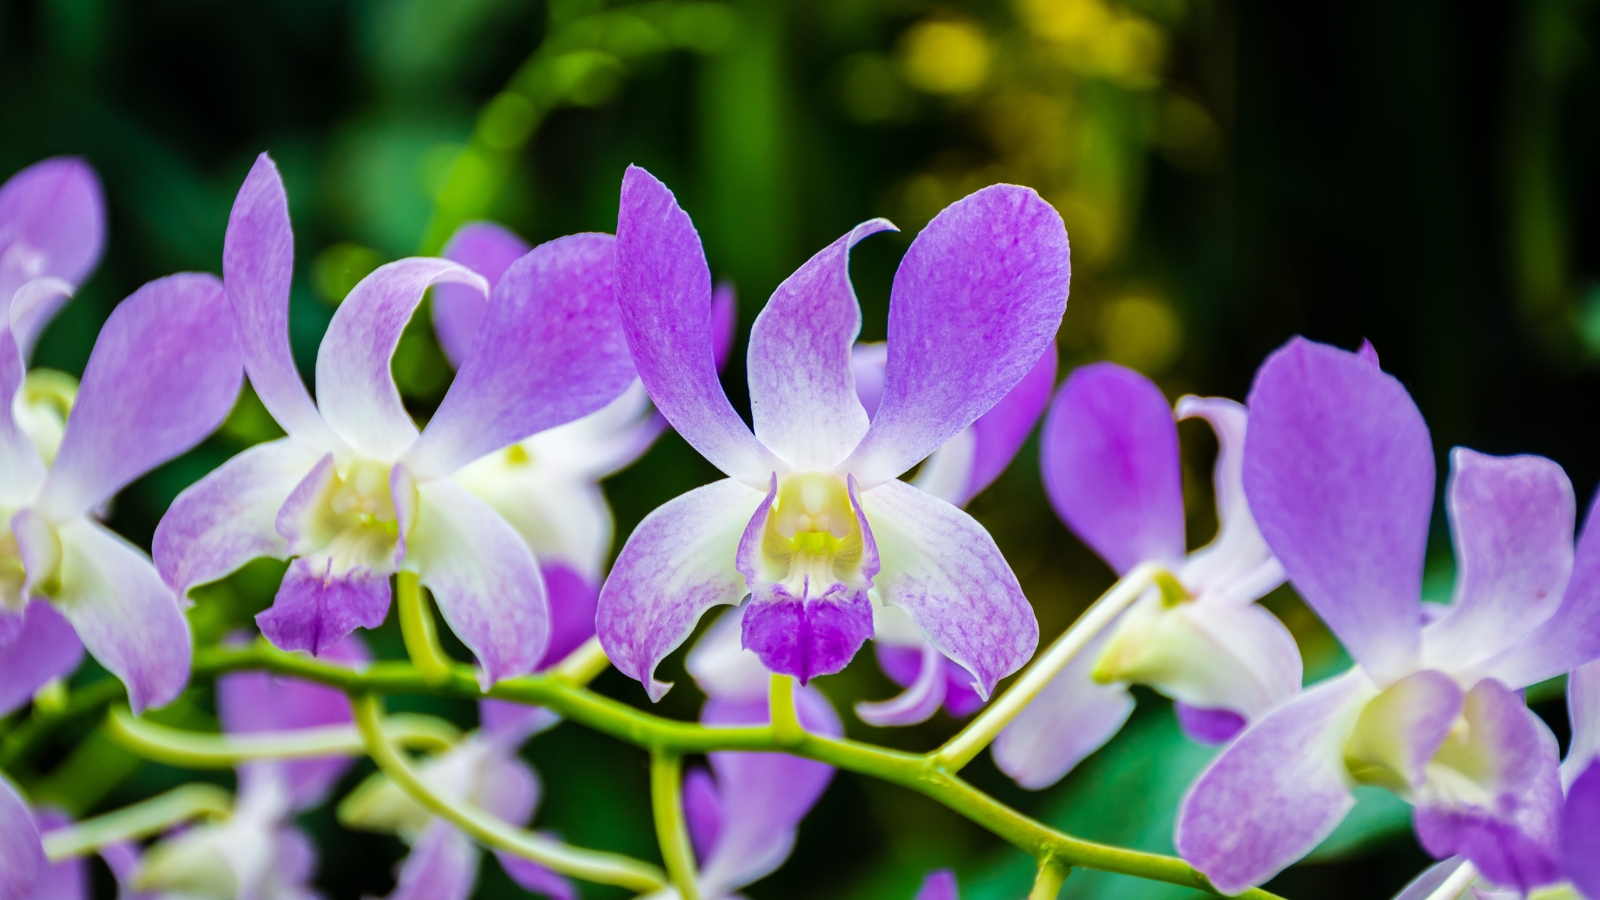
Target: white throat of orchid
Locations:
point(352, 516)
point(40, 409)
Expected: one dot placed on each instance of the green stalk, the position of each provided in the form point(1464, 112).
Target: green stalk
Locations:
point(420, 632)
point(666, 800)
point(142, 819)
point(786, 728)
point(177, 747)
point(1047, 884)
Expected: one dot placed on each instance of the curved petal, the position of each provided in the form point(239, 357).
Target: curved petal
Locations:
point(356, 392)
point(536, 879)
point(508, 725)
point(702, 810)
point(948, 471)
point(724, 322)
point(1583, 714)
point(229, 517)
point(977, 299)
point(1430, 880)
point(1580, 833)
point(257, 266)
point(677, 564)
point(1236, 566)
point(944, 570)
point(484, 579)
point(1276, 792)
point(21, 853)
point(33, 305)
point(802, 390)
point(45, 649)
point(1338, 468)
point(163, 374)
point(123, 613)
point(940, 885)
point(21, 467)
point(868, 361)
point(488, 249)
point(920, 700)
point(52, 223)
point(573, 599)
point(315, 607)
point(562, 515)
point(1001, 431)
point(551, 350)
point(664, 290)
point(442, 865)
point(65, 880)
point(506, 788)
point(1071, 718)
point(1512, 520)
point(1110, 458)
point(722, 668)
point(1208, 726)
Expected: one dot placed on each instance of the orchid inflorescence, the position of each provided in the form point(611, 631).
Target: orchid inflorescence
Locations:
point(572, 357)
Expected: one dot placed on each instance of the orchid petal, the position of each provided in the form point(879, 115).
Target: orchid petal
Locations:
point(1583, 714)
point(702, 811)
point(1001, 431)
point(1110, 457)
point(802, 391)
point(257, 266)
point(1236, 566)
point(664, 290)
point(356, 392)
point(868, 362)
point(127, 618)
point(1338, 468)
point(229, 517)
point(1276, 792)
point(164, 373)
point(442, 865)
point(919, 701)
point(940, 885)
point(1071, 718)
point(721, 666)
point(573, 599)
point(64, 880)
point(676, 565)
point(535, 878)
point(458, 310)
point(947, 473)
point(509, 725)
point(53, 224)
point(21, 468)
point(1208, 726)
point(562, 515)
point(506, 788)
point(550, 351)
point(21, 853)
point(315, 607)
point(1431, 879)
point(483, 578)
point(1512, 520)
point(1399, 731)
point(724, 322)
point(944, 570)
point(45, 649)
point(33, 305)
point(976, 301)
point(1580, 833)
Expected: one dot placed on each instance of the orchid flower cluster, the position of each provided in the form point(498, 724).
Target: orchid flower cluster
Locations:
point(572, 357)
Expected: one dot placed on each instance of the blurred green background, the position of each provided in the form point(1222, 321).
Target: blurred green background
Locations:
point(1421, 174)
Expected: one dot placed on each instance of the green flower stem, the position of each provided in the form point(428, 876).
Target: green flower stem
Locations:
point(88, 700)
point(419, 630)
point(139, 820)
point(981, 731)
point(1047, 884)
point(590, 865)
point(666, 800)
point(582, 665)
point(921, 773)
point(786, 728)
point(177, 747)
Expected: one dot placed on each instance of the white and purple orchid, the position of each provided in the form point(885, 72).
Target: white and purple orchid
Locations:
point(812, 516)
point(355, 492)
point(1109, 453)
point(1339, 473)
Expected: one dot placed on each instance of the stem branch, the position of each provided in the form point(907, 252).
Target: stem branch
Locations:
point(177, 747)
point(666, 782)
point(420, 631)
point(1047, 884)
point(144, 818)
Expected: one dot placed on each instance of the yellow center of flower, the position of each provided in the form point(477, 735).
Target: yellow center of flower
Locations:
point(41, 409)
point(811, 535)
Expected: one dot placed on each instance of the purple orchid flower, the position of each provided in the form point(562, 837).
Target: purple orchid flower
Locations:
point(482, 769)
point(355, 492)
point(1109, 453)
point(25, 873)
point(939, 885)
point(813, 515)
point(52, 228)
point(958, 471)
point(547, 486)
point(1339, 473)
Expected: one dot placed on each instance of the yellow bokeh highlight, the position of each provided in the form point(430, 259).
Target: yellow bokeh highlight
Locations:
point(1142, 331)
point(946, 56)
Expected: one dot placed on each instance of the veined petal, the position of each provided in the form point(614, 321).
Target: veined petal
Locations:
point(163, 374)
point(488, 249)
point(1071, 718)
point(1001, 431)
point(21, 853)
point(1276, 792)
point(229, 517)
point(442, 865)
point(52, 224)
point(1236, 566)
point(257, 265)
point(123, 613)
point(21, 468)
point(1339, 472)
point(664, 289)
point(356, 392)
point(802, 391)
point(550, 351)
point(977, 299)
point(677, 564)
point(1110, 458)
point(1580, 833)
point(1583, 714)
point(316, 607)
point(920, 700)
point(45, 649)
point(484, 579)
point(943, 569)
point(940, 885)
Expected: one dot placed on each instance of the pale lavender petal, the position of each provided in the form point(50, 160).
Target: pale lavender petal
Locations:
point(229, 517)
point(573, 600)
point(33, 305)
point(944, 570)
point(510, 724)
point(38, 549)
point(21, 854)
point(1583, 714)
point(1109, 453)
point(1208, 726)
point(1236, 567)
point(1001, 431)
point(1403, 728)
point(976, 301)
point(64, 880)
point(1273, 794)
point(802, 391)
point(724, 322)
point(1580, 833)
point(960, 700)
point(45, 649)
point(484, 579)
point(1339, 472)
point(922, 697)
point(488, 249)
point(720, 665)
point(356, 392)
point(163, 374)
point(940, 885)
point(257, 266)
point(1431, 879)
point(664, 289)
point(868, 361)
point(316, 608)
point(1512, 521)
point(676, 565)
point(702, 811)
point(1073, 717)
point(442, 865)
point(52, 224)
point(21, 467)
point(127, 618)
point(550, 351)
point(903, 665)
point(535, 878)
point(507, 788)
